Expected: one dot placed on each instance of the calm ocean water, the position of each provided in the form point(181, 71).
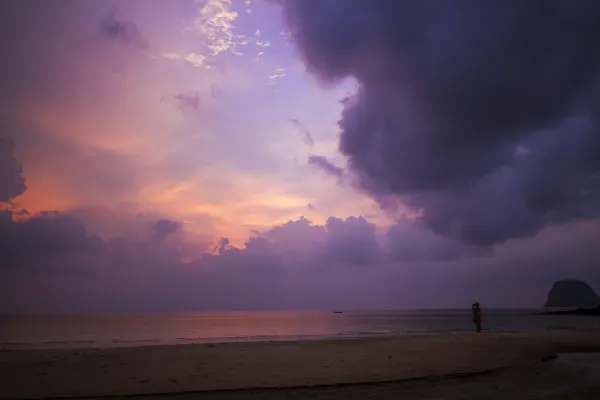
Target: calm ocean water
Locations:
point(154, 329)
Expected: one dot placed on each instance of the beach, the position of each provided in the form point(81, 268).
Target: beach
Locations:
point(235, 370)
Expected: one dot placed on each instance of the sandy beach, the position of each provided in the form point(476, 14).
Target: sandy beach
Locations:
point(390, 366)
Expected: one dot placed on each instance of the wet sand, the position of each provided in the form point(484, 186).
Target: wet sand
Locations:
point(413, 365)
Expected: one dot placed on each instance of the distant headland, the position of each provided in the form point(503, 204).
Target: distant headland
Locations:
point(573, 294)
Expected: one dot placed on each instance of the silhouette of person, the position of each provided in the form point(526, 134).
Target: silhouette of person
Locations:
point(476, 315)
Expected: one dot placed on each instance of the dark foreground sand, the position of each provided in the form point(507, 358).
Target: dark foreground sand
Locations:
point(566, 378)
point(452, 363)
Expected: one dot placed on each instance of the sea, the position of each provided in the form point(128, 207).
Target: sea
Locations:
point(90, 331)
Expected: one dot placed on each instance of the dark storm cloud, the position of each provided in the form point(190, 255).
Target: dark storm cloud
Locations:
point(12, 182)
point(125, 32)
point(54, 240)
point(482, 115)
point(410, 241)
point(48, 239)
point(165, 227)
point(327, 166)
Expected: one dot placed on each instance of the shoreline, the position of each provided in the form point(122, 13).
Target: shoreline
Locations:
point(116, 344)
point(156, 370)
point(578, 312)
point(120, 344)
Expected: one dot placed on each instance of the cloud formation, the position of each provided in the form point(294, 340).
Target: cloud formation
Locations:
point(352, 241)
point(12, 182)
point(53, 264)
point(308, 139)
point(410, 241)
point(50, 239)
point(327, 166)
point(143, 200)
point(124, 32)
point(47, 240)
point(481, 116)
point(216, 24)
point(165, 227)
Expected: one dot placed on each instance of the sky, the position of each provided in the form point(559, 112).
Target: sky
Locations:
point(193, 155)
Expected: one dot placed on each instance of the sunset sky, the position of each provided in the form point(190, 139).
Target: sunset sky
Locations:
point(162, 155)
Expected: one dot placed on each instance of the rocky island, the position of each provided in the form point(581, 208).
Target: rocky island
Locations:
point(573, 294)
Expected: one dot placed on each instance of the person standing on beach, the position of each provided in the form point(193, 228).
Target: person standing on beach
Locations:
point(476, 315)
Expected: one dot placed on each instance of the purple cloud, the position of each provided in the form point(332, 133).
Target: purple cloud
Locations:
point(48, 240)
point(410, 241)
point(308, 139)
point(125, 32)
point(327, 166)
point(352, 241)
point(485, 154)
point(51, 257)
point(12, 182)
point(165, 227)
point(449, 94)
